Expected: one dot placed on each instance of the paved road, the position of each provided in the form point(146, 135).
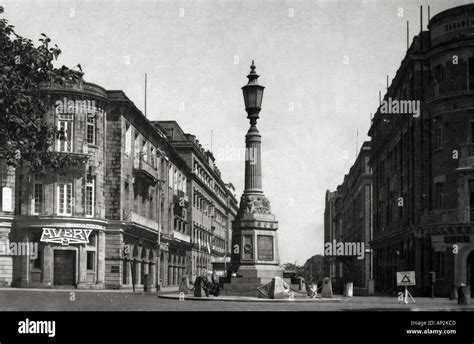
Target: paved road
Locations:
point(63, 300)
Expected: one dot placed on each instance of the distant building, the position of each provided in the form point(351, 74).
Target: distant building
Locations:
point(348, 222)
point(213, 204)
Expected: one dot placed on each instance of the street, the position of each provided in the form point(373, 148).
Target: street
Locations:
point(12, 299)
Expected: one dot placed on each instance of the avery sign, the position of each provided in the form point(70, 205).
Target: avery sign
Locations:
point(66, 236)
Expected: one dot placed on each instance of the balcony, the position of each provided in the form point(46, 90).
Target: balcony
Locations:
point(466, 158)
point(447, 216)
point(181, 236)
point(145, 170)
point(143, 221)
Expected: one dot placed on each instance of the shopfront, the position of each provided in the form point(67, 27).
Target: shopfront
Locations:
point(64, 255)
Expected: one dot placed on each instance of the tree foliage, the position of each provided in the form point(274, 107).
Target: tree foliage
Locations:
point(25, 137)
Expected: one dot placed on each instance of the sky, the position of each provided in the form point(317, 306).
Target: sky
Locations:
point(322, 63)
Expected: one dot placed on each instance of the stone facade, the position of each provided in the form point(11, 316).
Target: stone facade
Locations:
point(348, 218)
point(423, 170)
point(67, 203)
point(127, 202)
point(212, 205)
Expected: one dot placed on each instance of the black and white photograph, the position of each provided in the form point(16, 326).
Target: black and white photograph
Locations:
point(237, 157)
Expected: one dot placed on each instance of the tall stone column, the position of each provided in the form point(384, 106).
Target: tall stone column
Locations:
point(254, 240)
point(253, 164)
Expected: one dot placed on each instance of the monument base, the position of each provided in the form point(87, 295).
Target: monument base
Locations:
point(249, 278)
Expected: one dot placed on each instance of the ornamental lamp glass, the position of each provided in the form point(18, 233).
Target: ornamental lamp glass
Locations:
point(253, 93)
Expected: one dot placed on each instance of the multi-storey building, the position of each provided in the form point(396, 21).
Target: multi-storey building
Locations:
point(175, 241)
point(212, 204)
point(348, 220)
point(422, 163)
point(148, 232)
point(120, 215)
point(63, 212)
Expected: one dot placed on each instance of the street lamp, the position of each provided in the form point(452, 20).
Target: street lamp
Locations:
point(253, 95)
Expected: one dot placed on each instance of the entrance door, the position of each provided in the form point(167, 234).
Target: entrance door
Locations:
point(470, 271)
point(64, 267)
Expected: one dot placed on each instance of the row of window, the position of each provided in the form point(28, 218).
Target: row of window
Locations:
point(202, 204)
point(65, 141)
point(64, 198)
point(208, 180)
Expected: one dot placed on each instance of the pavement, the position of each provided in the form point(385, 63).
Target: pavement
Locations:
point(19, 299)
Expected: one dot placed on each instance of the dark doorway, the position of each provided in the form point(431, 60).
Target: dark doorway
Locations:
point(64, 267)
point(470, 271)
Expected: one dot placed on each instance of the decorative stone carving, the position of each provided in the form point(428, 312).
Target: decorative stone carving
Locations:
point(255, 204)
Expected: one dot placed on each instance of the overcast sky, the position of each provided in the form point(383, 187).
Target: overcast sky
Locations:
point(197, 55)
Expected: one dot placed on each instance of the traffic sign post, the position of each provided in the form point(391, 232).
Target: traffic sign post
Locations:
point(405, 279)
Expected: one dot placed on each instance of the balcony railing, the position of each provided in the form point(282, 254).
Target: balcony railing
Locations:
point(447, 216)
point(144, 168)
point(141, 220)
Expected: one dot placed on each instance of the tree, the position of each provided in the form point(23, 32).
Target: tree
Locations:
point(25, 138)
point(314, 268)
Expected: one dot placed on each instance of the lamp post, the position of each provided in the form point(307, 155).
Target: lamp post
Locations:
point(253, 95)
point(255, 238)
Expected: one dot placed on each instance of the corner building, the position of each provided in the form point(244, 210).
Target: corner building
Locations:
point(69, 205)
point(427, 162)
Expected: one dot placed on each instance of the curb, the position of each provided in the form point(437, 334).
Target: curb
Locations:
point(249, 299)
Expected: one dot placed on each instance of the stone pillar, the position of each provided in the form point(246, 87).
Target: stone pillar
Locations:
point(138, 273)
point(82, 269)
point(25, 263)
point(175, 275)
point(253, 166)
point(48, 264)
point(153, 274)
point(100, 258)
point(129, 273)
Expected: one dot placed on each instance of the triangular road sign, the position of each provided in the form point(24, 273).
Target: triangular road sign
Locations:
point(406, 279)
